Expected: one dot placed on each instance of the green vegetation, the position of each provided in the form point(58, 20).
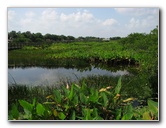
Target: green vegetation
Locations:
point(83, 103)
point(91, 100)
point(94, 52)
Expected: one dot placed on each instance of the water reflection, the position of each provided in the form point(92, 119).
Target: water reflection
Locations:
point(46, 76)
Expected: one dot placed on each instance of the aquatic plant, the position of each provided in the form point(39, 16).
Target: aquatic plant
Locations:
point(80, 102)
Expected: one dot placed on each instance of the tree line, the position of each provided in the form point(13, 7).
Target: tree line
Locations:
point(37, 38)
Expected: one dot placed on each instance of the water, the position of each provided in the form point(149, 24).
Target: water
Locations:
point(45, 76)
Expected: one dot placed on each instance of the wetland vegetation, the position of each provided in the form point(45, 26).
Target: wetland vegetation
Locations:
point(97, 97)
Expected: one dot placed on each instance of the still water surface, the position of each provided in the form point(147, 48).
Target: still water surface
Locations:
point(45, 76)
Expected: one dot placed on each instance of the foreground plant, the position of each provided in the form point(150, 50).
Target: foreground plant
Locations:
point(84, 103)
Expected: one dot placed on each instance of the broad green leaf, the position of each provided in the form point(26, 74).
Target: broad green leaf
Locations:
point(34, 102)
point(127, 116)
point(73, 116)
point(71, 94)
point(146, 116)
point(66, 107)
point(105, 99)
point(129, 108)
point(153, 106)
point(95, 112)
point(83, 98)
point(26, 105)
point(58, 96)
point(118, 114)
point(27, 115)
point(75, 100)
point(94, 96)
point(66, 91)
point(87, 114)
point(118, 86)
point(61, 116)
point(128, 113)
point(14, 112)
point(40, 109)
point(84, 87)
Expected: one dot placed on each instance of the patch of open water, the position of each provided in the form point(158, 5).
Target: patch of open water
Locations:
point(45, 76)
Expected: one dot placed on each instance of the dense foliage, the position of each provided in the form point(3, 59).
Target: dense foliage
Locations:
point(83, 103)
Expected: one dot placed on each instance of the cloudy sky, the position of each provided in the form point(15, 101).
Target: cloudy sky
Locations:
point(98, 22)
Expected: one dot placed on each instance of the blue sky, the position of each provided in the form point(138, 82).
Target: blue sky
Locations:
point(98, 22)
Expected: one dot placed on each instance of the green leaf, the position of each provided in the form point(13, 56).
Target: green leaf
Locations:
point(14, 112)
point(58, 96)
point(153, 106)
point(84, 87)
point(83, 98)
point(75, 100)
point(118, 114)
point(26, 105)
point(61, 116)
point(66, 107)
point(95, 112)
point(128, 113)
point(105, 99)
point(77, 87)
point(66, 91)
point(71, 94)
point(73, 116)
point(127, 116)
point(96, 115)
point(34, 102)
point(118, 86)
point(27, 115)
point(146, 116)
point(94, 96)
point(40, 109)
point(87, 114)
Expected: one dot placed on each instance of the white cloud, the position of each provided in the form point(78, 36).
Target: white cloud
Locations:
point(137, 11)
point(139, 19)
point(12, 20)
point(30, 14)
point(134, 23)
point(77, 17)
point(110, 22)
point(11, 14)
point(144, 25)
point(149, 21)
point(49, 14)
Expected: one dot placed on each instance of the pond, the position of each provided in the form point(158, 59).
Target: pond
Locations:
point(35, 76)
